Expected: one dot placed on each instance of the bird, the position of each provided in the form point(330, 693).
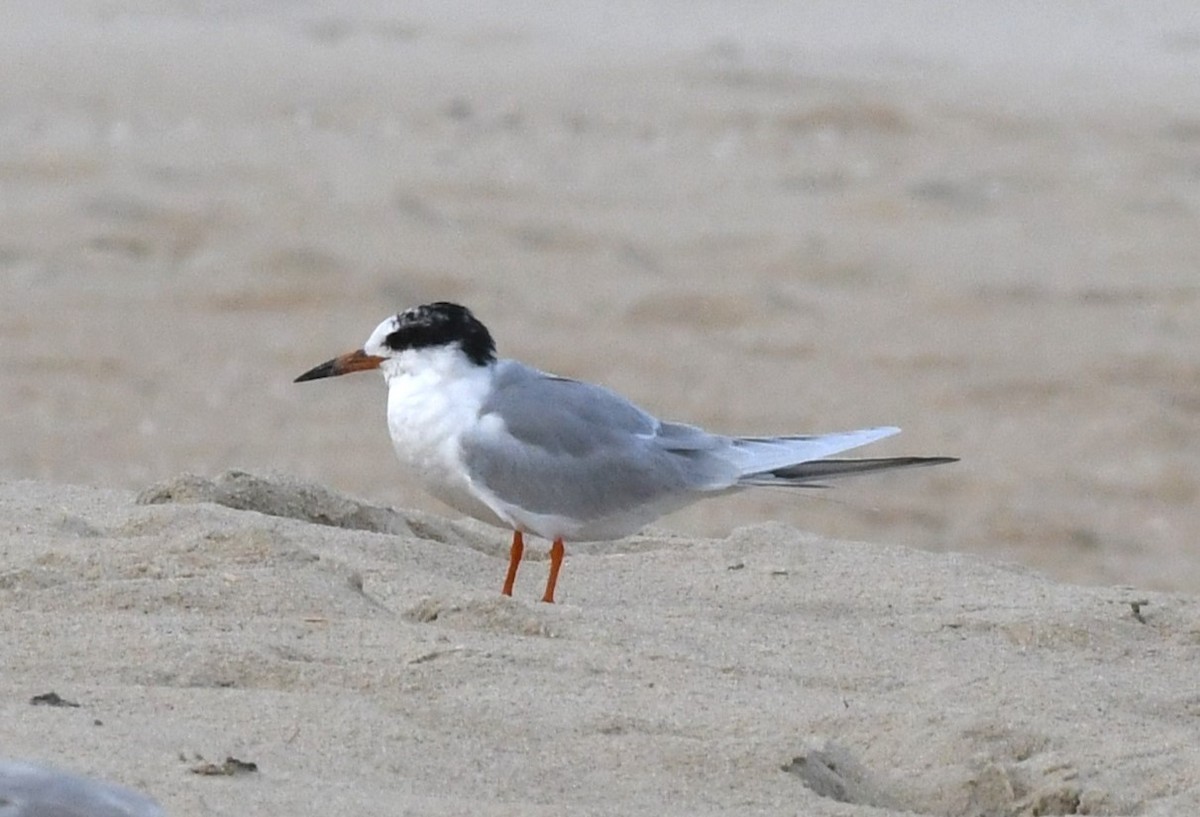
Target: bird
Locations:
point(562, 459)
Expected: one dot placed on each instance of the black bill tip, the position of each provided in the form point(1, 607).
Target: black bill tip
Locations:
point(326, 369)
point(357, 361)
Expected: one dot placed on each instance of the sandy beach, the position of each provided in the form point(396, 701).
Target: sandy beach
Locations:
point(974, 222)
point(769, 672)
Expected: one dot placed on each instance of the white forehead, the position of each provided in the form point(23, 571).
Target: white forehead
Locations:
point(375, 344)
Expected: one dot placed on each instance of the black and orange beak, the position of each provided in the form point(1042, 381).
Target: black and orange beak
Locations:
point(357, 361)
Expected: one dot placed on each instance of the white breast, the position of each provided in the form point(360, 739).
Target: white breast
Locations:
point(434, 397)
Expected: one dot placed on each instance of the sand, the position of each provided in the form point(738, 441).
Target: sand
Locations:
point(976, 222)
point(769, 672)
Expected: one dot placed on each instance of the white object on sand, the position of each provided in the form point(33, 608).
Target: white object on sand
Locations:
point(30, 790)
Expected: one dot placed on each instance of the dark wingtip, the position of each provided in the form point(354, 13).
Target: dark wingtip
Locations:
point(919, 462)
point(802, 473)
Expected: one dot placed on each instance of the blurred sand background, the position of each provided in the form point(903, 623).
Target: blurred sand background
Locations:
point(974, 221)
point(978, 224)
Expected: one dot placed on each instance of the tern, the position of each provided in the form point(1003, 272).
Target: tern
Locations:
point(558, 458)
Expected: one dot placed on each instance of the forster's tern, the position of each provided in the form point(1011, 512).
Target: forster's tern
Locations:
point(525, 450)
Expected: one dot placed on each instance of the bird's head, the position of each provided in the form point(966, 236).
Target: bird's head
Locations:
point(416, 338)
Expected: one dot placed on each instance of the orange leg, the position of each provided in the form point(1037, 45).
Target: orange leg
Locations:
point(556, 556)
point(514, 561)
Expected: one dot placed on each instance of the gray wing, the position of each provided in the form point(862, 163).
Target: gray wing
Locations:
point(575, 449)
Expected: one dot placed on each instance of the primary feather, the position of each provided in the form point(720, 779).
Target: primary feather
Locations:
point(803, 474)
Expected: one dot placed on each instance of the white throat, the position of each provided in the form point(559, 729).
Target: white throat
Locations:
point(434, 397)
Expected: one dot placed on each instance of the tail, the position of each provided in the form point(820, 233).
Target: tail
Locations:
point(800, 461)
